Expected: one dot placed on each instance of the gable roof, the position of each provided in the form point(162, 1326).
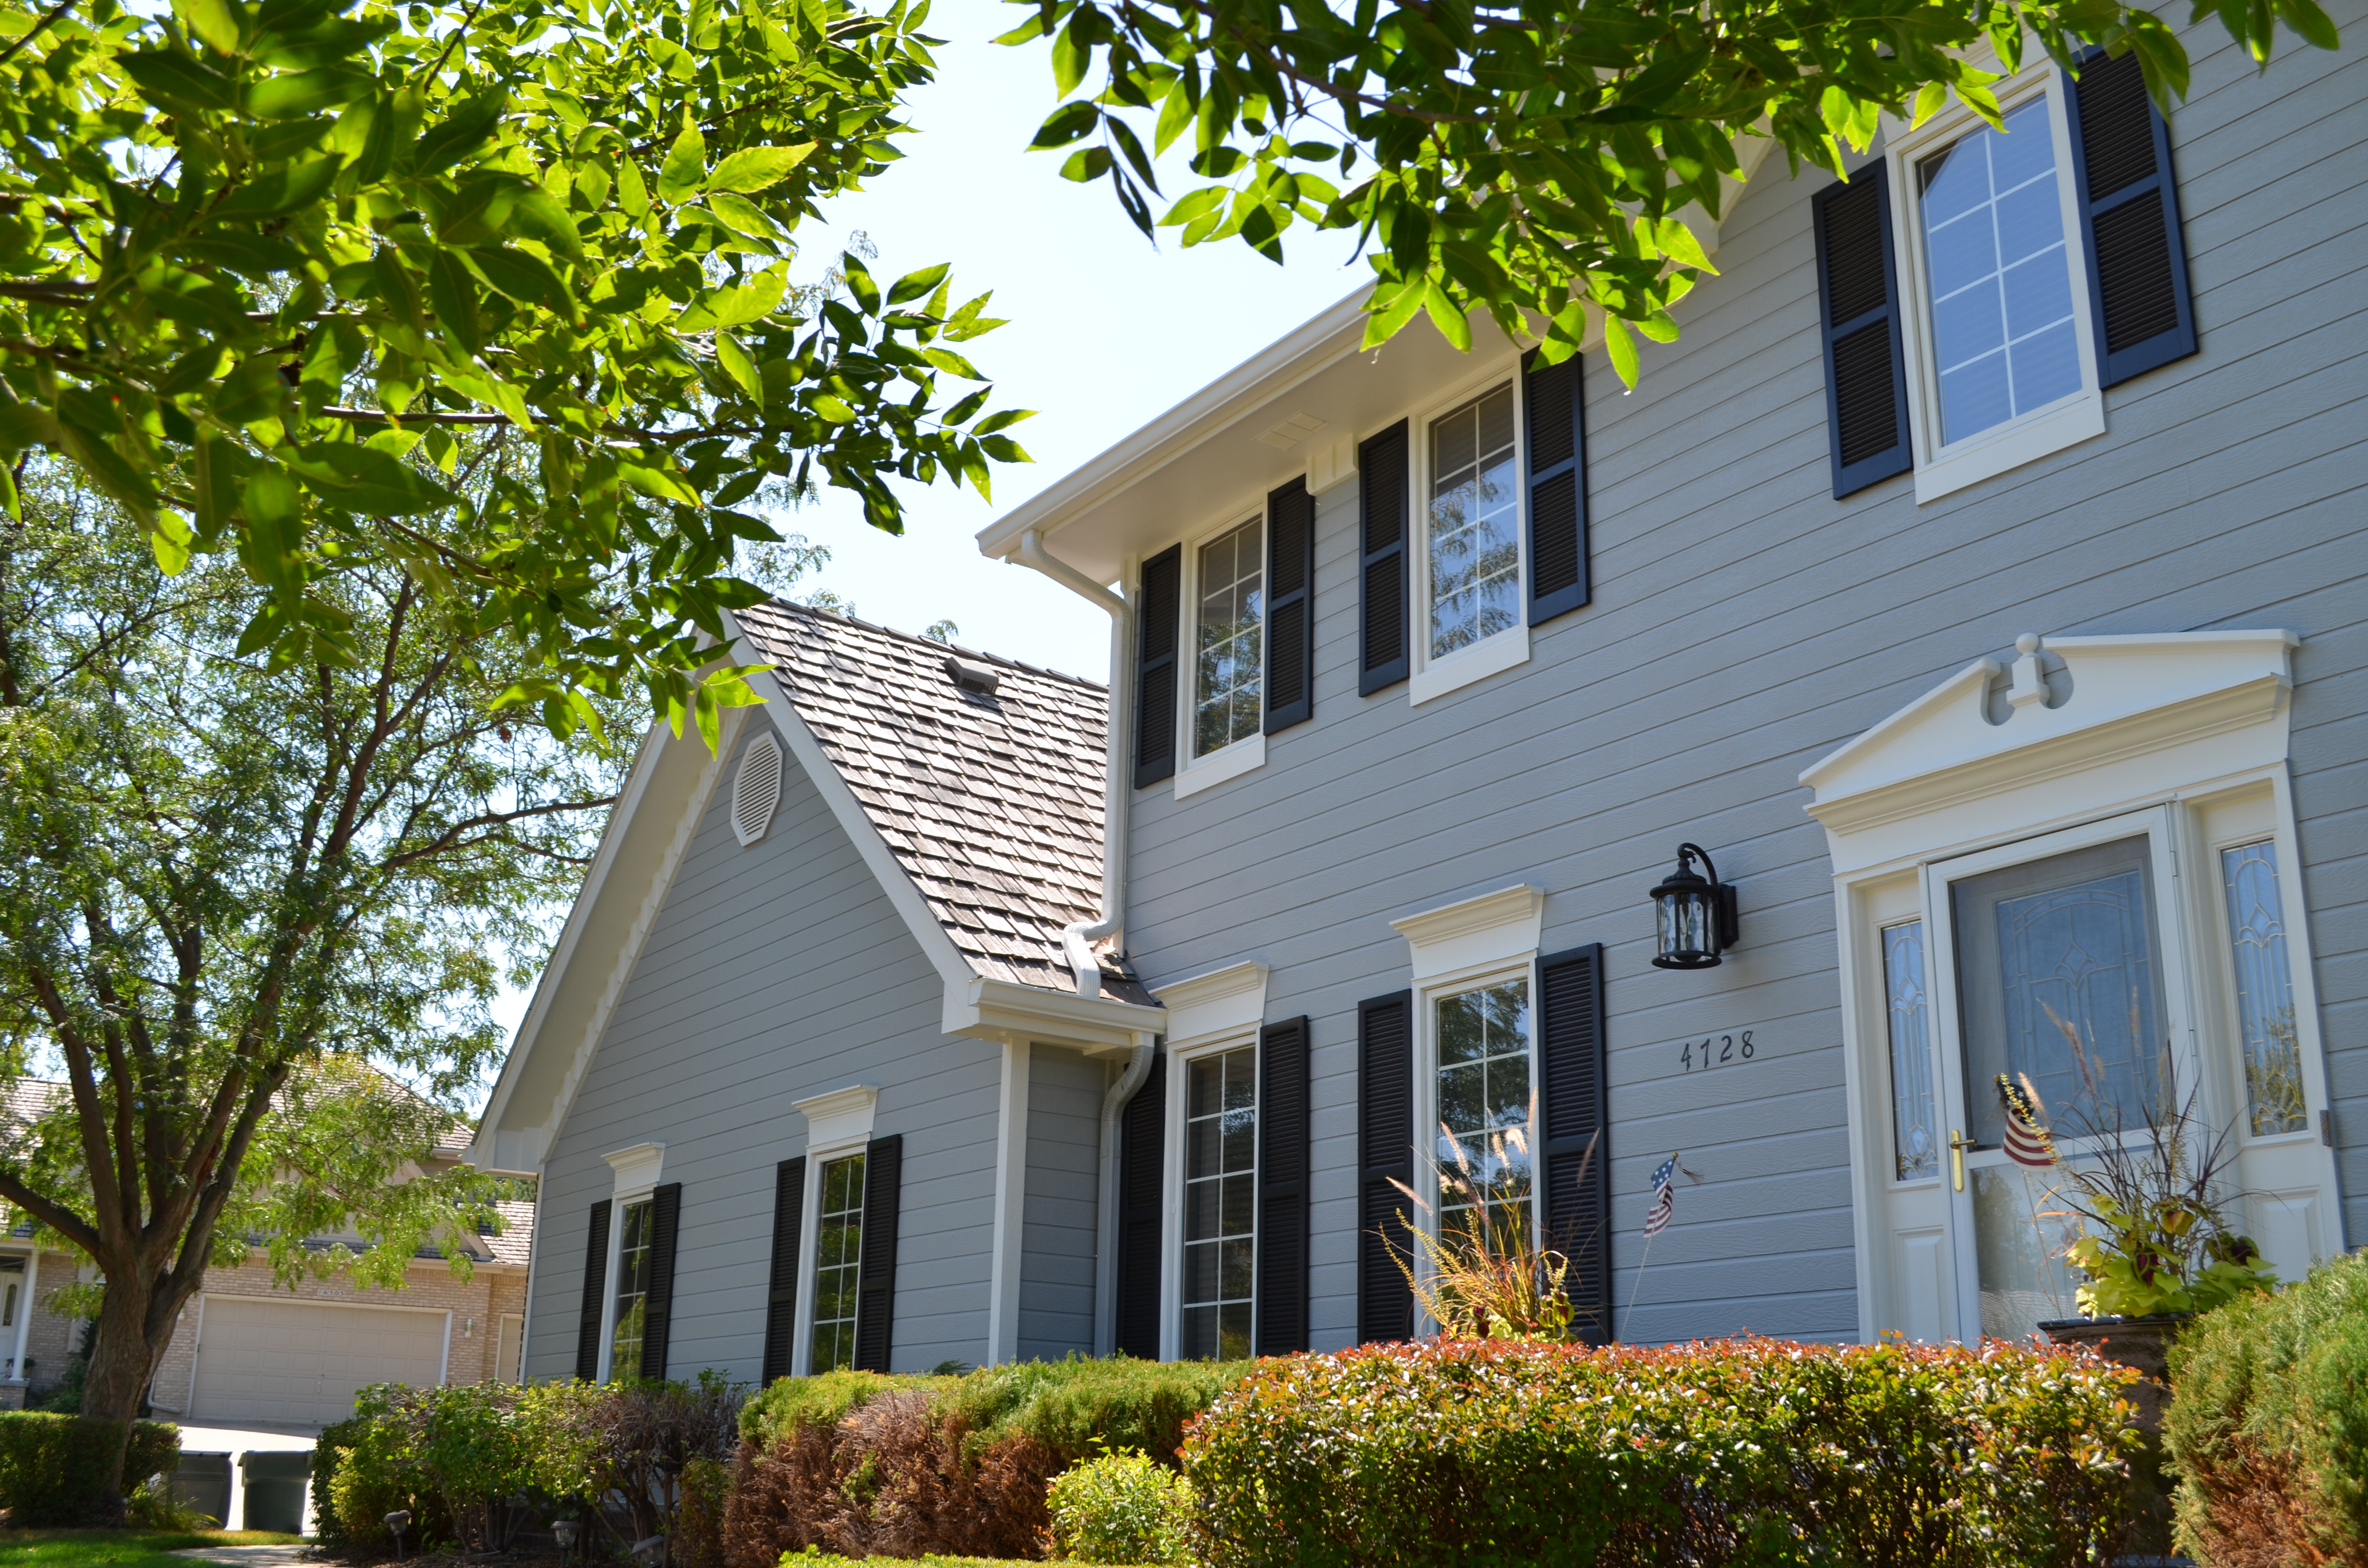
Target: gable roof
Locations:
point(992, 803)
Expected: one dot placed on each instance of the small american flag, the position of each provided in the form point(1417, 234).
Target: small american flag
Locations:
point(1664, 1197)
point(2027, 1142)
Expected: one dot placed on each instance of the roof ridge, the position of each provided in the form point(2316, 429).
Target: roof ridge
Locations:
point(815, 612)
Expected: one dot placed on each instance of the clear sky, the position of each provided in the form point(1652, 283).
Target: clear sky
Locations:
point(1105, 332)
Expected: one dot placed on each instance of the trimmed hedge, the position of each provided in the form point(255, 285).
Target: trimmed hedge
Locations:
point(860, 1463)
point(2268, 1425)
point(1748, 1451)
point(52, 1466)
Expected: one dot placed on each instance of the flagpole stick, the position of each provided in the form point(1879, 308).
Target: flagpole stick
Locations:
point(1632, 1290)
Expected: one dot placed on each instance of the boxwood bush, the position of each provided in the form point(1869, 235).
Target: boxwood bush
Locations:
point(52, 1466)
point(2267, 1424)
point(1748, 1451)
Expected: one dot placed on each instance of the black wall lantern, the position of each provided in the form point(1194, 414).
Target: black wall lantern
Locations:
point(1695, 913)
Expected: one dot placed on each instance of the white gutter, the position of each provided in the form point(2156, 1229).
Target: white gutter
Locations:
point(1077, 938)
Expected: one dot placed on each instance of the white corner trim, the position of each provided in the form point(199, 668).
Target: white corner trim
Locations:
point(1491, 656)
point(1222, 1003)
point(638, 1169)
point(1475, 932)
point(1242, 756)
point(840, 1116)
point(1010, 1205)
point(2130, 696)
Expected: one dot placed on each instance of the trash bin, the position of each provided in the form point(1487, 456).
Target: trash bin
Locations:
point(202, 1481)
point(276, 1484)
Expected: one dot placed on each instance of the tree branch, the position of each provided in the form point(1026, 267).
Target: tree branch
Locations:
point(452, 836)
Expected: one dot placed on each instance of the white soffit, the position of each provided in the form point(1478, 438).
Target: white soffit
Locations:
point(1226, 1002)
point(2098, 701)
point(1475, 932)
point(638, 1168)
point(842, 1115)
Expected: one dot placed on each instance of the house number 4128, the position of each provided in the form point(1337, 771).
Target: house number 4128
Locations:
point(1719, 1051)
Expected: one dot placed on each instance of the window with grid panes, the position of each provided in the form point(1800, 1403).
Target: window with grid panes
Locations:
point(1220, 1203)
point(1473, 529)
point(838, 1252)
point(1483, 1110)
point(1230, 643)
point(632, 1292)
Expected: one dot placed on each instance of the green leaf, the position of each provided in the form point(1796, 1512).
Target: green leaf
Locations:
point(684, 167)
point(1086, 165)
point(1450, 321)
point(168, 541)
point(632, 194)
point(913, 284)
point(752, 300)
point(460, 133)
point(250, 255)
point(536, 214)
point(752, 169)
point(364, 480)
point(659, 484)
point(175, 81)
point(211, 20)
point(278, 192)
point(292, 97)
point(480, 211)
point(1620, 347)
point(1677, 241)
point(739, 367)
point(833, 409)
point(1003, 449)
point(524, 277)
point(22, 425)
point(452, 295)
point(954, 364)
point(1198, 204)
point(1070, 122)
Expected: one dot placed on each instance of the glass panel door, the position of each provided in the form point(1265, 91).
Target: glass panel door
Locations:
point(2061, 954)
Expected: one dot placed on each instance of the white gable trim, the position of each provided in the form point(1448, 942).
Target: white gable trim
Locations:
point(2091, 721)
point(520, 1150)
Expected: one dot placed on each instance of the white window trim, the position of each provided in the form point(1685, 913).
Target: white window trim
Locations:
point(2076, 417)
point(1194, 773)
point(1432, 678)
point(837, 1122)
point(637, 1171)
point(1456, 947)
point(1171, 1177)
point(2179, 723)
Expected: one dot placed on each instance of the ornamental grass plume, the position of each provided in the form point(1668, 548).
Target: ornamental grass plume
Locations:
point(1480, 1272)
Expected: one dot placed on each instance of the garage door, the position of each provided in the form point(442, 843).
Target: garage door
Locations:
point(299, 1362)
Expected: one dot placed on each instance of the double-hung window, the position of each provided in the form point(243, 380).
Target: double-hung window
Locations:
point(629, 1318)
point(1482, 1105)
point(838, 1268)
point(1469, 553)
point(1228, 638)
point(1220, 1232)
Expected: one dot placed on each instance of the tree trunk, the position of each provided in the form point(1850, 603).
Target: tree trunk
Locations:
point(135, 1325)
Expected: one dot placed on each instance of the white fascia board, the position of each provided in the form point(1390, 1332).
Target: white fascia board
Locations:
point(484, 1152)
point(1008, 1011)
point(1307, 351)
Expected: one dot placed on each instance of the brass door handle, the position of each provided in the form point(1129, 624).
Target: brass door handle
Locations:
point(1958, 1145)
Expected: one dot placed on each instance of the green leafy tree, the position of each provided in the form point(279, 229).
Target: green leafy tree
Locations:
point(246, 907)
point(261, 264)
point(1533, 159)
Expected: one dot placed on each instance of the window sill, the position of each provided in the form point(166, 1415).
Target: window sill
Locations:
point(1232, 762)
point(1460, 669)
point(1986, 455)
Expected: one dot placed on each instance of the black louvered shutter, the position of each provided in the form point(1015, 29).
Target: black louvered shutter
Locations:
point(1385, 1154)
point(1382, 509)
point(1289, 606)
point(2137, 259)
point(1142, 1129)
point(1556, 399)
point(875, 1273)
point(1575, 1145)
point(1282, 1188)
point(1866, 369)
point(596, 1285)
point(1158, 602)
point(657, 1307)
point(782, 1286)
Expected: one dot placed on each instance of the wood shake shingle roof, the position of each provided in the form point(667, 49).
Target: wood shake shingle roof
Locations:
point(991, 801)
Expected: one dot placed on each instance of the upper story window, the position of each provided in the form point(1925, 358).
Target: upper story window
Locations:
point(1473, 524)
point(629, 1321)
point(1983, 285)
point(2004, 335)
point(1228, 639)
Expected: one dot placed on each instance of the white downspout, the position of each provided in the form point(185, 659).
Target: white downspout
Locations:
point(1077, 939)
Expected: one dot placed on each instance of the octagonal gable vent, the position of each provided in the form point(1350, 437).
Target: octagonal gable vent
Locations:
point(756, 788)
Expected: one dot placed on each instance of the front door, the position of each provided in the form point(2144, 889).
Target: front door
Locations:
point(2057, 962)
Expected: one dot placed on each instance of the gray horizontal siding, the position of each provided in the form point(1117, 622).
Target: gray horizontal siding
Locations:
point(770, 973)
point(1057, 1232)
point(1744, 623)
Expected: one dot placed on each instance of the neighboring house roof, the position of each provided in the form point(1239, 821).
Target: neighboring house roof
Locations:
point(992, 803)
point(515, 1243)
